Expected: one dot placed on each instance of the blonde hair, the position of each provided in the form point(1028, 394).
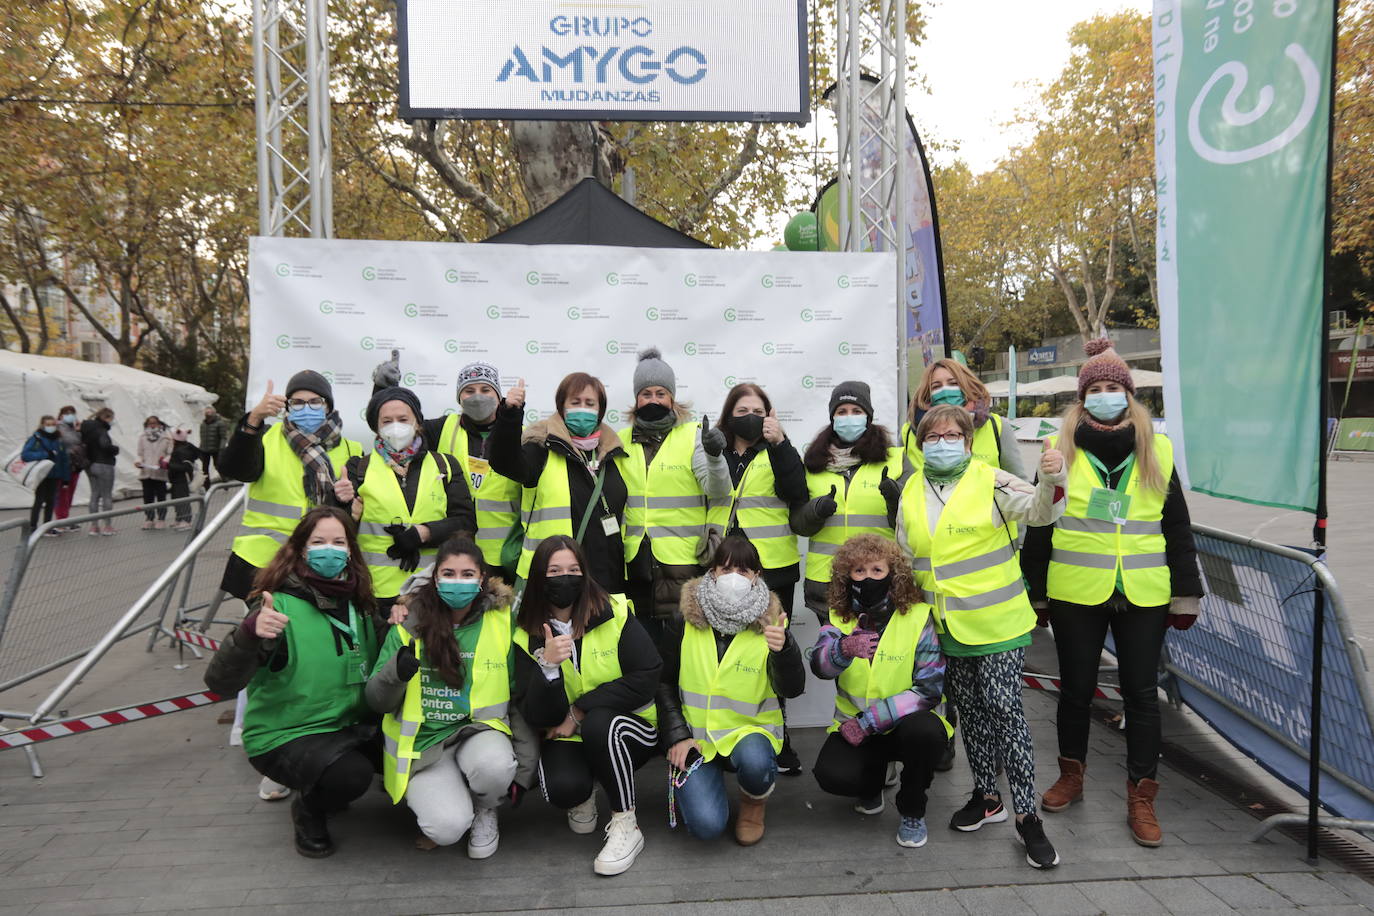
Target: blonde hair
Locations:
point(1138, 415)
point(973, 389)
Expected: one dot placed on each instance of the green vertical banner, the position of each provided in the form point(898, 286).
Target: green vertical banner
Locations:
point(1242, 106)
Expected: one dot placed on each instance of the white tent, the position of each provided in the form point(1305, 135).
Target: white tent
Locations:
point(1063, 384)
point(31, 386)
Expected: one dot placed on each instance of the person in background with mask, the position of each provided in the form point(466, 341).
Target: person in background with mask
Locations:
point(70, 433)
point(214, 436)
point(881, 649)
point(948, 381)
point(1122, 558)
point(181, 467)
point(567, 466)
point(406, 498)
point(452, 748)
point(954, 526)
point(728, 661)
point(154, 453)
point(101, 450)
point(672, 466)
point(46, 445)
point(852, 472)
point(587, 671)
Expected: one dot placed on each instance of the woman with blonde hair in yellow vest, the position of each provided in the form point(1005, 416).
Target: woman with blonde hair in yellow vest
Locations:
point(881, 649)
point(586, 673)
point(406, 497)
point(948, 381)
point(728, 661)
point(451, 746)
point(955, 525)
point(852, 473)
point(1122, 558)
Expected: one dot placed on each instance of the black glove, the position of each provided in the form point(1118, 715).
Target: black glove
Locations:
point(405, 547)
point(826, 505)
point(406, 662)
point(891, 490)
point(712, 439)
point(388, 374)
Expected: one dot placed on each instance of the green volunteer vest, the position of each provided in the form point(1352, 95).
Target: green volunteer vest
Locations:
point(1088, 553)
point(384, 504)
point(665, 500)
point(276, 500)
point(862, 510)
point(760, 513)
point(726, 698)
point(489, 701)
point(497, 498)
point(320, 690)
point(890, 671)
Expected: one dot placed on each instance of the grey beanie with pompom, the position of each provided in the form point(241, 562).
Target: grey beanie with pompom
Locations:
point(652, 370)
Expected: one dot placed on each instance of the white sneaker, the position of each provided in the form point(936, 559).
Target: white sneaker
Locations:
point(582, 819)
point(894, 773)
point(270, 790)
point(485, 834)
point(623, 843)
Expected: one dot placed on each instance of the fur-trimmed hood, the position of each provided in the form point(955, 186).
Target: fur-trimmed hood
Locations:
point(554, 428)
point(693, 615)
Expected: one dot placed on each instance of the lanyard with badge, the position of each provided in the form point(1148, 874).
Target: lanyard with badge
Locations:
point(1104, 503)
point(356, 665)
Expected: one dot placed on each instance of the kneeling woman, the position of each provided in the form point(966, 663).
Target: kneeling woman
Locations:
point(588, 670)
point(726, 662)
point(882, 650)
point(443, 678)
point(304, 654)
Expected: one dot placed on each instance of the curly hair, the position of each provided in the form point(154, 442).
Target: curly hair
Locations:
point(904, 591)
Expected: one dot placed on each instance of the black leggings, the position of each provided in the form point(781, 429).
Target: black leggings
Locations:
point(44, 496)
point(154, 491)
point(918, 742)
point(613, 746)
point(1079, 635)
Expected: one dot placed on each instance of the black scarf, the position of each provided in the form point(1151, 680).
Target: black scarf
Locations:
point(1111, 446)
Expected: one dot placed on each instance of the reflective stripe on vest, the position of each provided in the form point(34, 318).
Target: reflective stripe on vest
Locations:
point(489, 701)
point(546, 508)
point(665, 501)
point(1087, 552)
point(971, 568)
point(891, 671)
point(497, 499)
point(276, 500)
point(861, 510)
point(725, 698)
point(759, 514)
point(383, 503)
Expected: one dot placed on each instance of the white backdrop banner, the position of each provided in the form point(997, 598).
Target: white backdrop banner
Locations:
point(796, 323)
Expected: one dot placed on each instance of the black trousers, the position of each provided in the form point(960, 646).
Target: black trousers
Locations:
point(181, 486)
point(154, 491)
point(613, 746)
point(1080, 632)
point(918, 742)
point(44, 498)
point(329, 770)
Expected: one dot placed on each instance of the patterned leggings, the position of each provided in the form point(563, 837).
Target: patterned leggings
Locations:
point(987, 691)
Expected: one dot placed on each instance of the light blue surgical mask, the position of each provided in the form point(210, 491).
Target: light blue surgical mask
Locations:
point(307, 418)
point(1105, 405)
point(850, 427)
point(458, 593)
point(326, 560)
point(581, 421)
point(950, 394)
point(943, 457)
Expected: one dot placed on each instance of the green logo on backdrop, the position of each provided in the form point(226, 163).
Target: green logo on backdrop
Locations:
point(283, 342)
point(493, 312)
point(412, 310)
point(450, 346)
point(574, 313)
point(651, 313)
point(531, 346)
point(613, 347)
point(532, 278)
point(767, 281)
point(531, 415)
point(730, 314)
point(328, 376)
point(729, 381)
point(612, 416)
point(612, 279)
point(283, 269)
point(409, 379)
point(451, 275)
point(769, 348)
point(808, 315)
point(369, 273)
point(367, 343)
point(689, 280)
point(690, 348)
point(326, 307)
point(843, 348)
point(842, 281)
point(808, 381)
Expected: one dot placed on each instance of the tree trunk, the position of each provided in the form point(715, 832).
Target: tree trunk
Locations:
point(553, 156)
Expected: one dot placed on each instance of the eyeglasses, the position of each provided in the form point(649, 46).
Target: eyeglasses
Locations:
point(297, 403)
point(932, 438)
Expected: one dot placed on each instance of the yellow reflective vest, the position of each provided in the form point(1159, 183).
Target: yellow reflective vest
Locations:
point(861, 510)
point(986, 447)
point(890, 672)
point(727, 697)
point(384, 504)
point(664, 499)
point(497, 498)
point(760, 513)
point(546, 508)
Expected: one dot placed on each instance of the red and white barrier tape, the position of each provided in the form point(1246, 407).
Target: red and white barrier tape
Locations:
point(51, 730)
point(198, 639)
point(1045, 682)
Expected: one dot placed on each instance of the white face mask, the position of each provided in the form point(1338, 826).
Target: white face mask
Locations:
point(397, 435)
point(734, 587)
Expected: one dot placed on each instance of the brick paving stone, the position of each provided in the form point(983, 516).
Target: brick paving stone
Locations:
point(1306, 889)
point(991, 901)
point(1121, 897)
point(1244, 892)
point(1184, 895)
point(1057, 900)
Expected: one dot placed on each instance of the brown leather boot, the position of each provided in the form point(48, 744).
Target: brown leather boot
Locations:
point(1068, 788)
point(749, 823)
point(1140, 812)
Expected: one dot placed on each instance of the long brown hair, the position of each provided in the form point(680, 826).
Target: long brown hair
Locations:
point(973, 389)
point(861, 548)
point(434, 619)
point(870, 448)
point(535, 607)
point(1138, 415)
point(290, 558)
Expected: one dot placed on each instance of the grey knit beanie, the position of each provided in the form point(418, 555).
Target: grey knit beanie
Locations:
point(652, 370)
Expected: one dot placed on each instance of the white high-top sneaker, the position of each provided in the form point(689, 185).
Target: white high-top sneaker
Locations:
point(582, 819)
point(485, 834)
point(623, 844)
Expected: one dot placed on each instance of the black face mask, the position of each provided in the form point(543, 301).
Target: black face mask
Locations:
point(748, 427)
point(563, 590)
point(870, 592)
point(652, 412)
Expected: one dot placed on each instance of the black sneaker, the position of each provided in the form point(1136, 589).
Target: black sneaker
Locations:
point(1039, 851)
point(947, 758)
point(789, 764)
point(980, 810)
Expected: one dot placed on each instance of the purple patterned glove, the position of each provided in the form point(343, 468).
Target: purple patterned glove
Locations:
point(853, 730)
point(859, 644)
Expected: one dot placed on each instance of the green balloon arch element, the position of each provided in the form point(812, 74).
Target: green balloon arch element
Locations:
point(800, 234)
point(959, 356)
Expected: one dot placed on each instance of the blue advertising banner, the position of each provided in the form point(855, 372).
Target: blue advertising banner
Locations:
point(1042, 356)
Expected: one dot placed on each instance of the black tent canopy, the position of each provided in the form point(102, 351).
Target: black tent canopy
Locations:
point(589, 214)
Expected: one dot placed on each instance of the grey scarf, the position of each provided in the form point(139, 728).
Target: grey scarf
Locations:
point(728, 618)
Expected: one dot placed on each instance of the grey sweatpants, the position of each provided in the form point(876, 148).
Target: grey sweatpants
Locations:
point(102, 478)
point(472, 775)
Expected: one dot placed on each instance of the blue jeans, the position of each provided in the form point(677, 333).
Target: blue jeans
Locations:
point(705, 808)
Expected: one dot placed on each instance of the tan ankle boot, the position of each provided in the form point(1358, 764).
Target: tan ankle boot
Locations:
point(1140, 812)
point(749, 823)
point(1068, 788)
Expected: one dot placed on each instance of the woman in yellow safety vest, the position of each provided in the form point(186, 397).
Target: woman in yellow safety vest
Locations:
point(451, 747)
point(672, 466)
point(567, 466)
point(1123, 558)
point(304, 653)
point(880, 648)
point(948, 381)
point(406, 497)
point(587, 672)
point(954, 524)
point(852, 473)
point(728, 661)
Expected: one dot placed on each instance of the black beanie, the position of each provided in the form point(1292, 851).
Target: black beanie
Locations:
point(404, 395)
point(852, 393)
point(310, 380)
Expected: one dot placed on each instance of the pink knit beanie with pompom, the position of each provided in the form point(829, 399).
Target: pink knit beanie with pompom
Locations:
point(1103, 365)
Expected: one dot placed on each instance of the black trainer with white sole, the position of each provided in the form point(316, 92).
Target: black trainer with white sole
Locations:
point(1040, 853)
point(981, 809)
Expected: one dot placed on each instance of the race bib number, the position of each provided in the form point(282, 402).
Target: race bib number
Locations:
point(478, 469)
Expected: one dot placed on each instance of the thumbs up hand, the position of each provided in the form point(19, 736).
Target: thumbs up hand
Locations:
point(516, 396)
point(826, 506)
point(891, 490)
point(557, 649)
point(1051, 460)
point(270, 405)
point(712, 439)
point(388, 374)
point(772, 429)
point(775, 633)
